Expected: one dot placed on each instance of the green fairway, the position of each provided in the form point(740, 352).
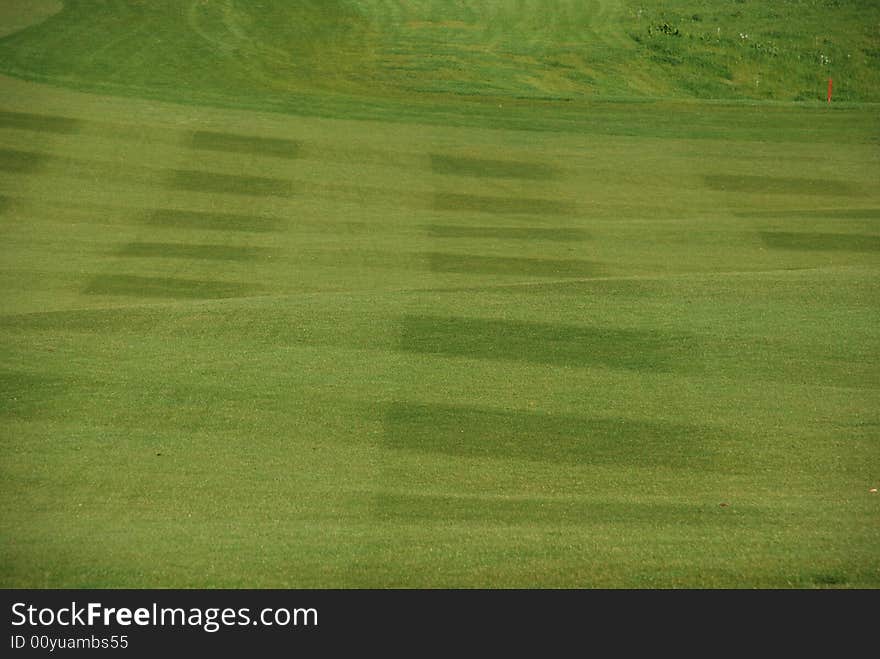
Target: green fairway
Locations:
point(439, 294)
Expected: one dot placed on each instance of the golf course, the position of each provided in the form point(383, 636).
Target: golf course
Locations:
point(543, 294)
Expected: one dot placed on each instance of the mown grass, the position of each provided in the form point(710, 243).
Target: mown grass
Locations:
point(308, 326)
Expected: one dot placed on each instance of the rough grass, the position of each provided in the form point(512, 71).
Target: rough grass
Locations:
point(558, 343)
point(359, 56)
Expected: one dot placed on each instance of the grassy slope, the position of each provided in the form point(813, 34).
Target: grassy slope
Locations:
point(260, 349)
point(295, 55)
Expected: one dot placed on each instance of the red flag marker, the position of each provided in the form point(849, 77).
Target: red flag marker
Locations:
point(829, 90)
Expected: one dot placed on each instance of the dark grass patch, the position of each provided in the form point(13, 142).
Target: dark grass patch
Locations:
point(277, 328)
point(619, 288)
point(22, 162)
point(185, 251)
point(552, 512)
point(450, 201)
point(165, 287)
point(779, 185)
point(822, 242)
point(42, 123)
point(79, 320)
point(545, 343)
point(26, 162)
point(257, 186)
point(829, 580)
point(629, 288)
point(212, 221)
point(233, 143)
point(507, 233)
point(480, 168)
point(818, 213)
point(571, 440)
point(509, 265)
point(26, 395)
point(5, 204)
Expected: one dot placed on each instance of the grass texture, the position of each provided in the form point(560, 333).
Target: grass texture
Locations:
point(439, 294)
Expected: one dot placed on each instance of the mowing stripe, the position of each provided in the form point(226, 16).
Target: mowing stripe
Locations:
point(102, 320)
point(42, 123)
point(22, 162)
point(817, 213)
point(545, 343)
point(193, 180)
point(26, 162)
point(186, 251)
point(479, 168)
point(99, 173)
point(780, 185)
point(531, 511)
point(165, 287)
point(201, 140)
point(197, 180)
point(233, 143)
point(506, 233)
point(450, 201)
point(632, 286)
point(821, 242)
point(212, 221)
point(566, 439)
point(25, 395)
point(510, 265)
